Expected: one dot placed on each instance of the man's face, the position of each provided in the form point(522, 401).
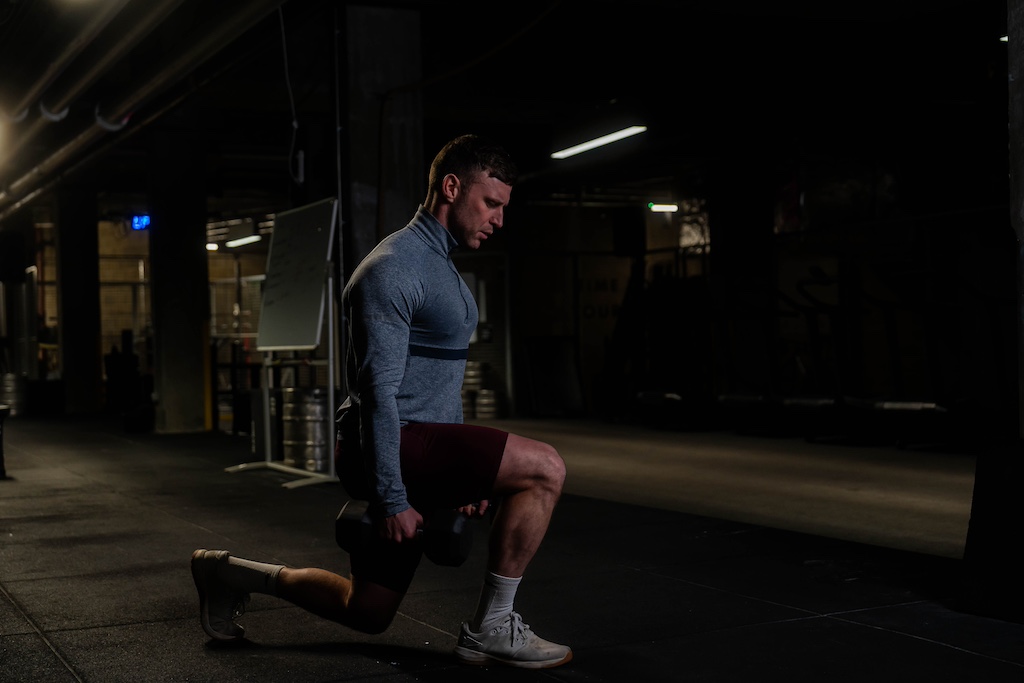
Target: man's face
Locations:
point(478, 210)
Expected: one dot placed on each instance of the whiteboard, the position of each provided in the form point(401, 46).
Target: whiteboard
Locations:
point(292, 310)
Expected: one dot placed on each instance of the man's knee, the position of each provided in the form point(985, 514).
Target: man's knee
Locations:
point(547, 466)
point(553, 467)
point(530, 464)
point(372, 607)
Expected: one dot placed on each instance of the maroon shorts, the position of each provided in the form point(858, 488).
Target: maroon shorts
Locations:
point(444, 466)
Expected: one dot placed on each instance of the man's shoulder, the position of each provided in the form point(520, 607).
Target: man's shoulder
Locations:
point(390, 264)
point(398, 250)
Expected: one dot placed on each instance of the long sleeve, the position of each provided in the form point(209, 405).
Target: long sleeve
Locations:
point(409, 319)
point(379, 339)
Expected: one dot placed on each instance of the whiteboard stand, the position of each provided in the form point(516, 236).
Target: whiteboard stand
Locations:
point(291, 316)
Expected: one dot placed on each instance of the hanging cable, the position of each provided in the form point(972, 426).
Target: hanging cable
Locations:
point(294, 170)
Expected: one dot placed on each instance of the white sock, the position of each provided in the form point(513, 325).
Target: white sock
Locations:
point(250, 577)
point(496, 601)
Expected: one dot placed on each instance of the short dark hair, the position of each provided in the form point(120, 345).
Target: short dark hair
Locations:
point(468, 155)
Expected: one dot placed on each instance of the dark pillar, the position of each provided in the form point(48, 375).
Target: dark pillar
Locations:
point(993, 585)
point(180, 282)
point(14, 258)
point(742, 272)
point(387, 173)
point(17, 235)
point(5, 410)
point(78, 287)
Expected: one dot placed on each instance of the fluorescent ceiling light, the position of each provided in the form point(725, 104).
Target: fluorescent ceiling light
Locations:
point(212, 246)
point(248, 239)
point(663, 208)
point(598, 142)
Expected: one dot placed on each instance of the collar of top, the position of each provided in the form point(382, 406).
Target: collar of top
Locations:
point(432, 232)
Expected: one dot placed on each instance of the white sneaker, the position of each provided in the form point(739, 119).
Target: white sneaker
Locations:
point(219, 605)
point(512, 643)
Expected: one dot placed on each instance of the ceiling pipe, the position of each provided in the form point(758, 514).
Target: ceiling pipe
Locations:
point(98, 151)
point(215, 36)
point(199, 50)
point(98, 21)
point(61, 94)
point(72, 82)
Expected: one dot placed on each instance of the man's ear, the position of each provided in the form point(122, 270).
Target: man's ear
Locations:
point(450, 186)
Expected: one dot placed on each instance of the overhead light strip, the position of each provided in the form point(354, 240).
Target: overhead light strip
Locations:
point(598, 142)
point(249, 239)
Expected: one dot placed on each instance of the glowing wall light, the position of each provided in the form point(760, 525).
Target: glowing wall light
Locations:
point(662, 208)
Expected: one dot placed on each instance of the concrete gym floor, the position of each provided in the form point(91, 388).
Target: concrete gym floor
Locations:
point(673, 556)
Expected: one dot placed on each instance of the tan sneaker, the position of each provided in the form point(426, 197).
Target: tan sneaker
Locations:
point(511, 643)
point(219, 605)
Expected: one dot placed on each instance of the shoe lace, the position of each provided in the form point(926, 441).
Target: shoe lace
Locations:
point(517, 629)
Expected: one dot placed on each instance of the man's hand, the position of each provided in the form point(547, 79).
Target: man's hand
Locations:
point(476, 509)
point(402, 526)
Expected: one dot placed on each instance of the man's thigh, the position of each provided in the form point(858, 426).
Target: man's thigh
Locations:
point(450, 465)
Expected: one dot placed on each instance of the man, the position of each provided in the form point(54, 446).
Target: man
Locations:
point(402, 444)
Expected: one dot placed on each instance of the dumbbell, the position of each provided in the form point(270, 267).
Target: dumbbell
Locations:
point(447, 535)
